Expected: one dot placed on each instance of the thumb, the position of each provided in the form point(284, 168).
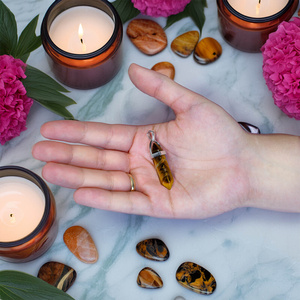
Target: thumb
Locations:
point(159, 86)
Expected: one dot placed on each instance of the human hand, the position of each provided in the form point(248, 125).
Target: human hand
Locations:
point(205, 149)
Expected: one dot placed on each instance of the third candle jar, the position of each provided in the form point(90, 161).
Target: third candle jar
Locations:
point(83, 41)
point(246, 24)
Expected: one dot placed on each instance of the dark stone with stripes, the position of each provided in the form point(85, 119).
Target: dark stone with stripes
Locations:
point(57, 274)
point(196, 278)
point(154, 249)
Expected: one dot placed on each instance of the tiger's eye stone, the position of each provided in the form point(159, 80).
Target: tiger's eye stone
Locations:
point(196, 278)
point(165, 68)
point(149, 279)
point(207, 51)
point(81, 244)
point(57, 274)
point(185, 43)
point(147, 35)
point(154, 249)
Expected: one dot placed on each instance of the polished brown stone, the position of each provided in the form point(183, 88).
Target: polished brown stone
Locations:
point(207, 51)
point(299, 12)
point(81, 244)
point(196, 278)
point(149, 279)
point(185, 43)
point(57, 274)
point(147, 35)
point(165, 68)
point(154, 249)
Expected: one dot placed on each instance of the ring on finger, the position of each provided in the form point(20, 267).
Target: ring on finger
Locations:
point(132, 183)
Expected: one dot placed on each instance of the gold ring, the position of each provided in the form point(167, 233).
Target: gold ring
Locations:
point(132, 184)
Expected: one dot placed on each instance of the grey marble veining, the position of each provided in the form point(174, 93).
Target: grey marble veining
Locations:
point(253, 254)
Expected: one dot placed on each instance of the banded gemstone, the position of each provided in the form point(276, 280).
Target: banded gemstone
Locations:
point(147, 35)
point(184, 44)
point(154, 249)
point(165, 68)
point(81, 244)
point(57, 274)
point(149, 279)
point(207, 51)
point(196, 278)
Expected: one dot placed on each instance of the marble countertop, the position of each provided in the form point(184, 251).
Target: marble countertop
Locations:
point(253, 254)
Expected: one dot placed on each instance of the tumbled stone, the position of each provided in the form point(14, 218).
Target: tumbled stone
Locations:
point(57, 274)
point(299, 12)
point(149, 279)
point(179, 298)
point(154, 249)
point(147, 35)
point(81, 244)
point(165, 68)
point(207, 51)
point(185, 43)
point(196, 278)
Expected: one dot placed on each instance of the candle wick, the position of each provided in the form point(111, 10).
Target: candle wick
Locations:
point(81, 41)
point(11, 215)
point(259, 1)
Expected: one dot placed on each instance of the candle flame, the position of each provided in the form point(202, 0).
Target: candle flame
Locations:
point(80, 31)
point(80, 34)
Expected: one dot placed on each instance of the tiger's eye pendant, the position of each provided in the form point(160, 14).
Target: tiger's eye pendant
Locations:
point(160, 162)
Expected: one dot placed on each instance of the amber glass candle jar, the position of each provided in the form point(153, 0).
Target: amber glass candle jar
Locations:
point(99, 60)
point(249, 32)
point(28, 224)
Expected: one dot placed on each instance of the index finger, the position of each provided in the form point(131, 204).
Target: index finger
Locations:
point(118, 137)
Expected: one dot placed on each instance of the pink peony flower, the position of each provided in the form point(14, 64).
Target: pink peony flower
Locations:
point(14, 104)
point(281, 66)
point(160, 8)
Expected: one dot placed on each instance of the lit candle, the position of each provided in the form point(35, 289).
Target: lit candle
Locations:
point(28, 224)
point(258, 8)
point(81, 29)
point(22, 206)
point(83, 41)
point(246, 24)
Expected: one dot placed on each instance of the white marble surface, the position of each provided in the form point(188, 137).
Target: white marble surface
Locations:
point(253, 254)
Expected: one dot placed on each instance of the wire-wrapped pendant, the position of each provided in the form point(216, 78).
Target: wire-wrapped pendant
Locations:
point(160, 162)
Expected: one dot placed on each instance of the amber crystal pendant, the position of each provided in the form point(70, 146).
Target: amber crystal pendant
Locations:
point(160, 162)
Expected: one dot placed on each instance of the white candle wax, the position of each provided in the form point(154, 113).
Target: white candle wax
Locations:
point(22, 206)
point(96, 29)
point(258, 9)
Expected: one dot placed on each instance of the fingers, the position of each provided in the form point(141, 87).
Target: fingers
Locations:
point(74, 177)
point(81, 156)
point(107, 136)
point(125, 202)
point(164, 89)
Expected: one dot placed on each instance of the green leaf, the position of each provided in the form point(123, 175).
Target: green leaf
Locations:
point(28, 41)
point(15, 285)
point(174, 18)
point(57, 109)
point(8, 30)
point(195, 10)
point(125, 9)
point(45, 90)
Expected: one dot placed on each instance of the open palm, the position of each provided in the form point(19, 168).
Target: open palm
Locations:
point(204, 147)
